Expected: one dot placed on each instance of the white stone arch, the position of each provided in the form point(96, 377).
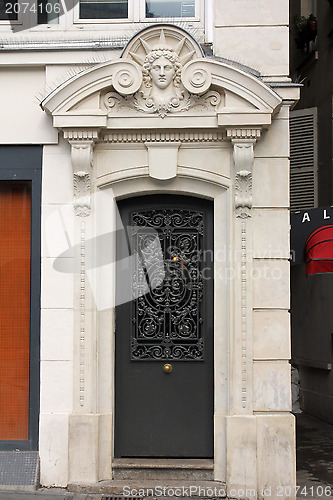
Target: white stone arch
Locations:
point(219, 193)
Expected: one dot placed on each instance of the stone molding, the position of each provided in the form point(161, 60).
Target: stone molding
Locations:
point(235, 134)
point(243, 141)
point(243, 194)
point(81, 135)
point(243, 156)
point(183, 137)
point(82, 162)
point(116, 103)
point(162, 77)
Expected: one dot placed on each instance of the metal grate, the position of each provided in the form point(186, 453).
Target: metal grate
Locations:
point(19, 468)
point(303, 159)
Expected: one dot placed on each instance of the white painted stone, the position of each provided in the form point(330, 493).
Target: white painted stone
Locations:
point(57, 178)
point(56, 386)
point(105, 441)
point(115, 160)
point(271, 234)
point(163, 160)
point(62, 147)
point(284, 112)
point(83, 448)
point(276, 457)
point(271, 284)
point(222, 305)
point(256, 13)
point(271, 334)
point(105, 361)
point(220, 446)
point(215, 159)
point(25, 122)
point(53, 449)
point(58, 237)
point(241, 455)
point(57, 338)
point(271, 182)
point(274, 142)
point(264, 48)
point(272, 386)
point(57, 287)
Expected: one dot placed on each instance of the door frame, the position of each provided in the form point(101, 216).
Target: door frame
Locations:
point(216, 189)
point(24, 163)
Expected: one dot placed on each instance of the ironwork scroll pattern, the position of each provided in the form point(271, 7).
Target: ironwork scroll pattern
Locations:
point(167, 321)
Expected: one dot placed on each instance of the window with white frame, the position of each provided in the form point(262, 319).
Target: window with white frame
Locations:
point(104, 9)
point(60, 13)
point(171, 8)
point(138, 10)
point(30, 13)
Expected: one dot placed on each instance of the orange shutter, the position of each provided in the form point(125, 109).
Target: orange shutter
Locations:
point(15, 253)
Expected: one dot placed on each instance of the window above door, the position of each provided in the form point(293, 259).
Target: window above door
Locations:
point(121, 17)
point(137, 10)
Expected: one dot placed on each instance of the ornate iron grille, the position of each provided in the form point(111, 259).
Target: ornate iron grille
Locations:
point(167, 315)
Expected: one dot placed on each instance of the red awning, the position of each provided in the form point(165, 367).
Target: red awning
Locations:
point(319, 251)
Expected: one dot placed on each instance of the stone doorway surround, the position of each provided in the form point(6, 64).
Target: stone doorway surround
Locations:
point(165, 119)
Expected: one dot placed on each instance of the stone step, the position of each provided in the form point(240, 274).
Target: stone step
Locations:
point(150, 469)
point(129, 489)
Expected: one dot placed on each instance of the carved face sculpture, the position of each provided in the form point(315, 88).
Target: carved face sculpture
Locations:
point(162, 68)
point(162, 72)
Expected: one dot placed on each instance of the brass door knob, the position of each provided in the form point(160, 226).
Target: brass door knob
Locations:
point(167, 368)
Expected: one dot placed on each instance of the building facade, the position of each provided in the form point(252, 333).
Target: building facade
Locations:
point(311, 180)
point(164, 297)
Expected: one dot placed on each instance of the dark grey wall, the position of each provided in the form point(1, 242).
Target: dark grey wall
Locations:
point(312, 338)
point(317, 78)
point(312, 298)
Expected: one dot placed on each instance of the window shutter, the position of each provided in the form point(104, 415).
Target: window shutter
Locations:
point(303, 159)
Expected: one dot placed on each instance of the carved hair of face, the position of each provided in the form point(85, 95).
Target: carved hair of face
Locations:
point(161, 68)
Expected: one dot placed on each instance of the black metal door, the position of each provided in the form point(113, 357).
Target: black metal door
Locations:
point(164, 321)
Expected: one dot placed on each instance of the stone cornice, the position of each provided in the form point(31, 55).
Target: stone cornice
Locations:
point(81, 135)
point(143, 137)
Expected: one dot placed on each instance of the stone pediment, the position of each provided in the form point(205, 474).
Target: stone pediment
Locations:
point(162, 77)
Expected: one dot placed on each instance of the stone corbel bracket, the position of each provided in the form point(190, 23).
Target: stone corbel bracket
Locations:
point(243, 156)
point(82, 162)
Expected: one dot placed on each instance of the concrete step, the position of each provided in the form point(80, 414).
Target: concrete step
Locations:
point(152, 469)
point(130, 489)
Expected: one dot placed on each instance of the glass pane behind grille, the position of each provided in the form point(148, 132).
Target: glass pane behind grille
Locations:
point(173, 8)
point(101, 9)
point(15, 241)
point(167, 320)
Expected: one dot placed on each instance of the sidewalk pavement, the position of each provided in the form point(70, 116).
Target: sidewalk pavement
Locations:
point(314, 467)
point(314, 457)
